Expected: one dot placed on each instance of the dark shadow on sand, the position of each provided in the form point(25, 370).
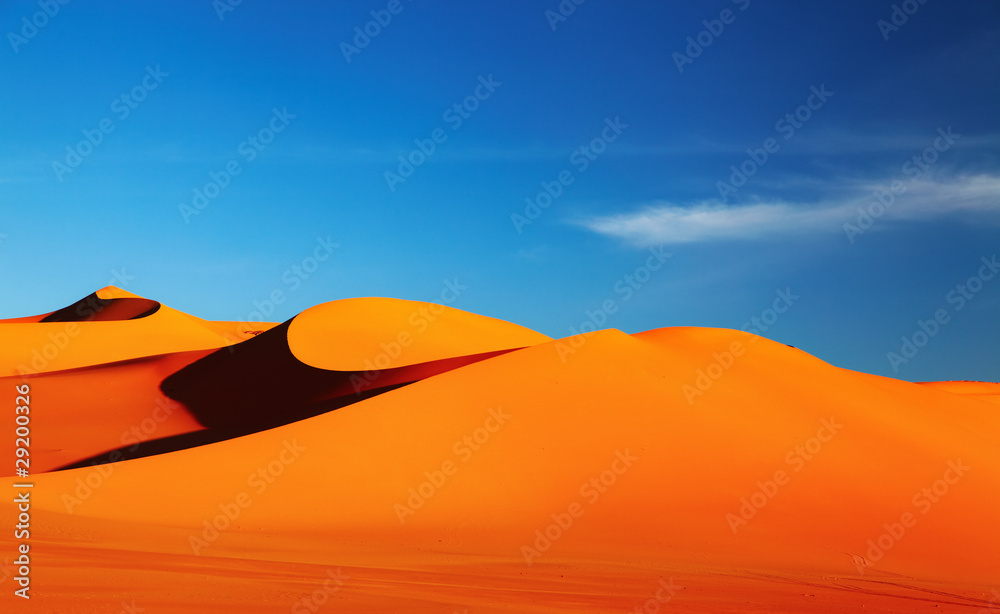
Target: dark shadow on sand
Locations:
point(259, 384)
point(92, 308)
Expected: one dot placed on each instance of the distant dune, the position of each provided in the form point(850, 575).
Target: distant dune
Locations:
point(385, 455)
point(983, 391)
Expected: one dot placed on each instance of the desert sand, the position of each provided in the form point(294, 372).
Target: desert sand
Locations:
point(382, 455)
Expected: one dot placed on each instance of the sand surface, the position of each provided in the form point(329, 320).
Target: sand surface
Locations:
point(379, 455)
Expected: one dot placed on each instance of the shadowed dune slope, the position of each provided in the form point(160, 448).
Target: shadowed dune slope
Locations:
point(95, 368)
point(81, 413)
point(335, 354)
point(594, 448)
point(108, 326)
point(109, 411)
point(93, 308)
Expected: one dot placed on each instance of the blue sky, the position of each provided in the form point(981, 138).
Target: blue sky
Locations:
point(634, 114)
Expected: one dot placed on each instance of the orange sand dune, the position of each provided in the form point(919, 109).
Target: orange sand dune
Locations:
point(108, 305)
point(682, 469)
point(983, 391)
point(325, 358)
point(109, 325)
point(81, 413)
point(351, 334)
point(330, 355)
point(112, 411)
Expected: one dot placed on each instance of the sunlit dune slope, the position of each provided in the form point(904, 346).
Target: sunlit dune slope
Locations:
point(595, 448)
point(109, 325)
point(363, 334)
point(333, 354)
point(95, 368)
point(110, 411)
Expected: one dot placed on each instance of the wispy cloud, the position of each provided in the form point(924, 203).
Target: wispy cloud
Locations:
point(664, 222)
point(839, 142)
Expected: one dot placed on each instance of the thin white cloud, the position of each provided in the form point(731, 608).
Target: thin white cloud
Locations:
point(661, 223)
point(666, 223)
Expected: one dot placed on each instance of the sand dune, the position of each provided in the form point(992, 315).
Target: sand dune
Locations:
point(680, 469)
point(983, 391)
point(107, 326)
point(330, 355)
point(131, 408)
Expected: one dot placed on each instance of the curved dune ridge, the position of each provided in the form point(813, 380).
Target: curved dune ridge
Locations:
point(107, 326)
point(361, 458)
point(350, 335)
point(170, 401)
point(107, 304)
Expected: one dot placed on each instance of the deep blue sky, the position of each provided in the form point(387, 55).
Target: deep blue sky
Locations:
point(66, 232)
